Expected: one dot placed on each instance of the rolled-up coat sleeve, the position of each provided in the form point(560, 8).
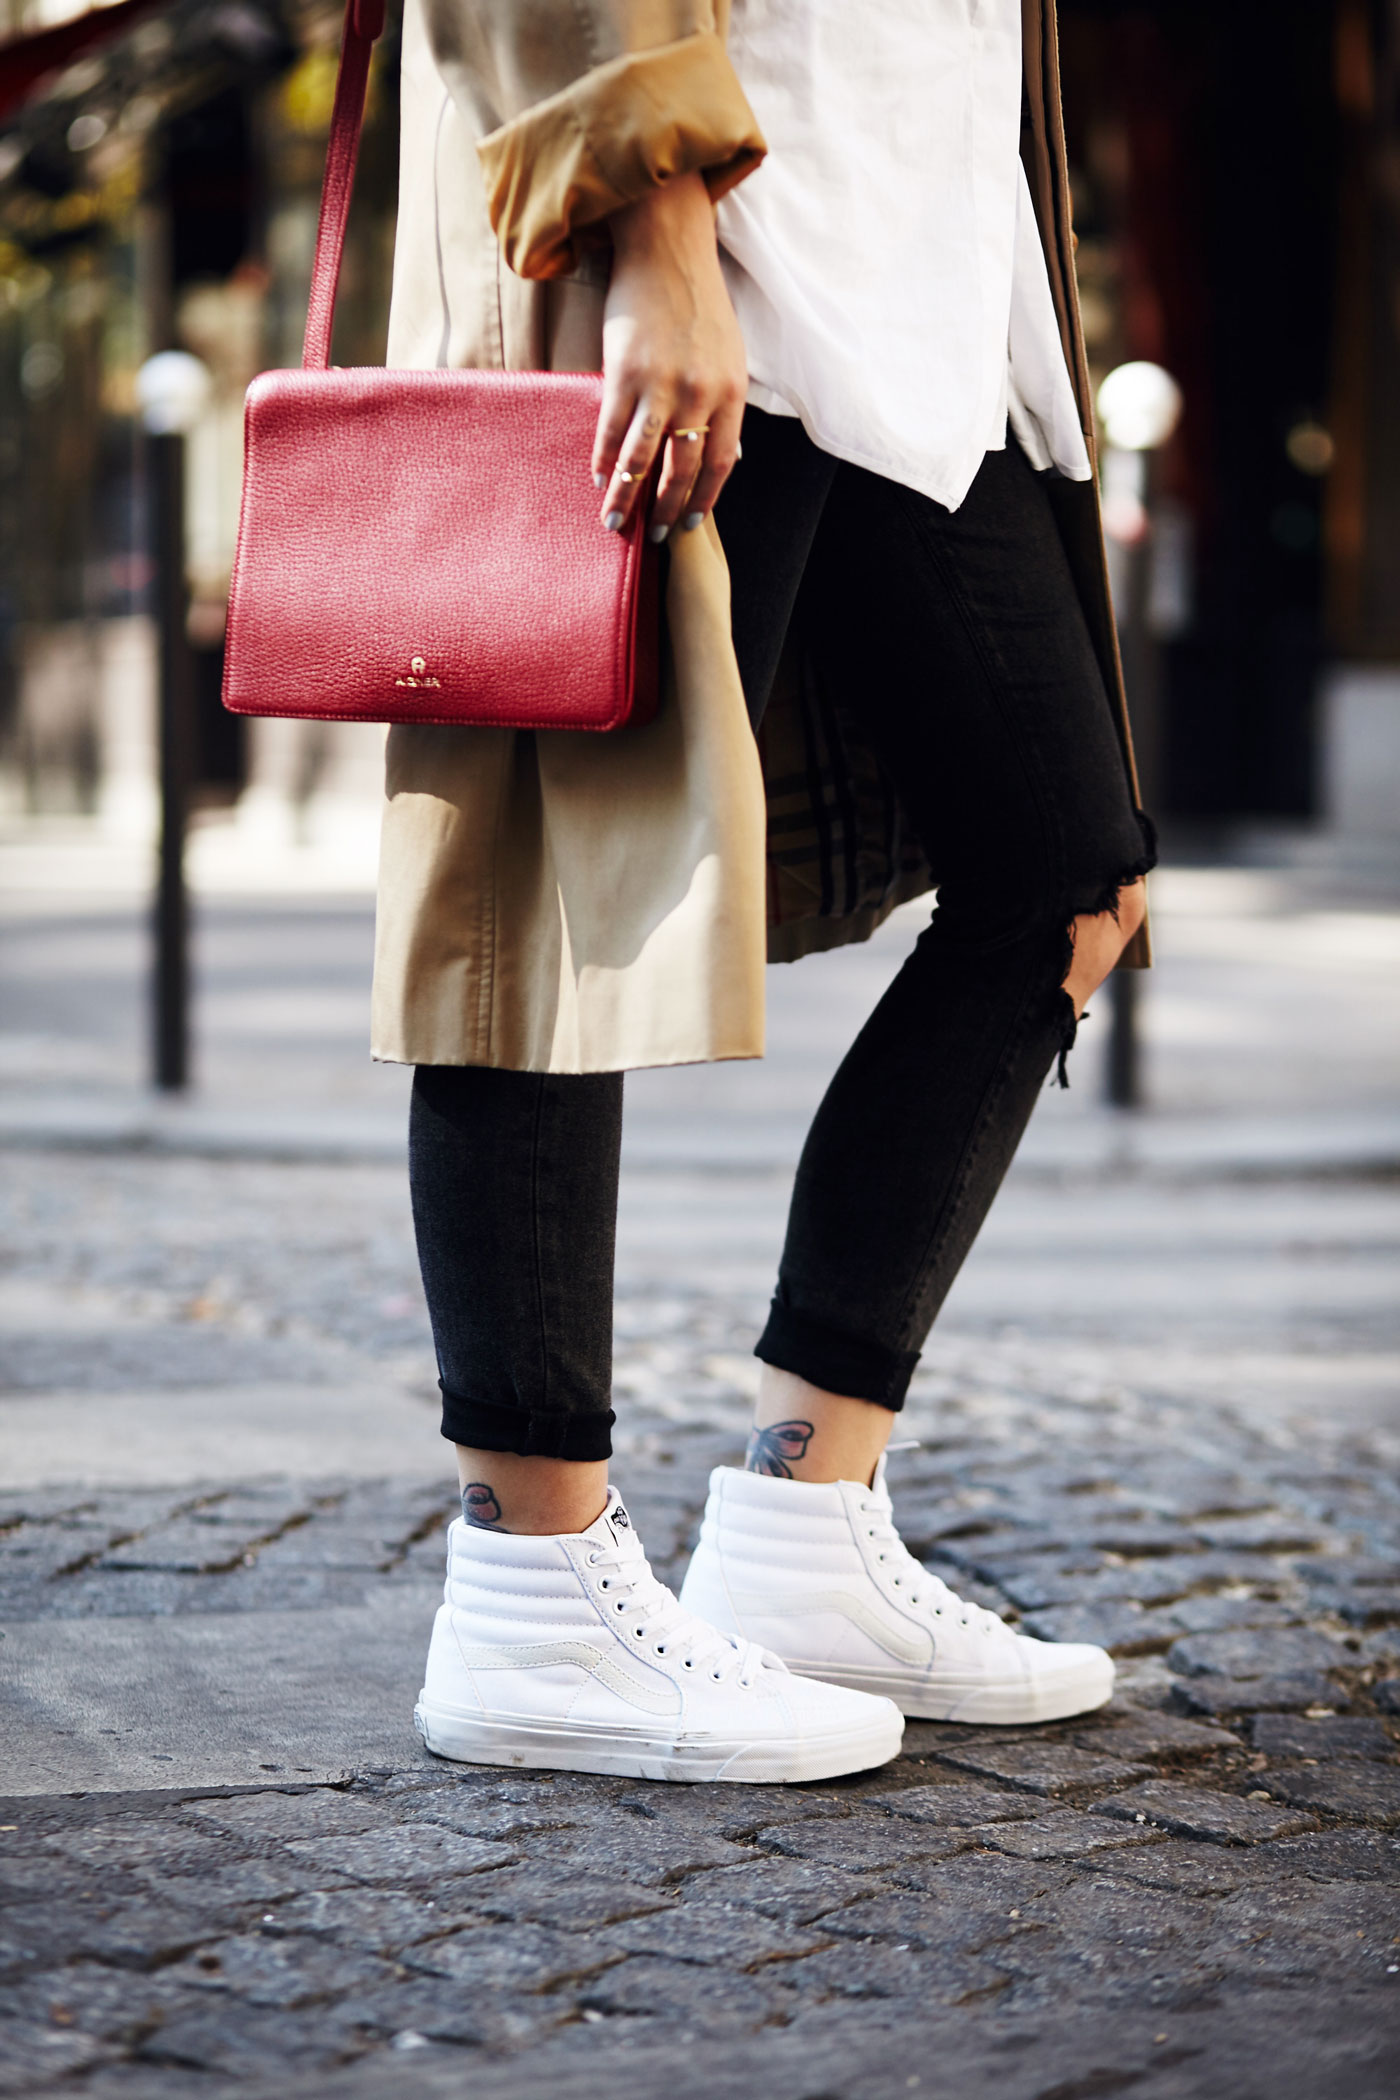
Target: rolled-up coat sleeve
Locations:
point(557, 170)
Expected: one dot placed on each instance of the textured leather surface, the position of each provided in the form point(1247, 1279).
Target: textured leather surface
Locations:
point(425, 546)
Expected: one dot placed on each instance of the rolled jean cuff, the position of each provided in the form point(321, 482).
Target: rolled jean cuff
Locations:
point(530, 1432)
point(836, 1360)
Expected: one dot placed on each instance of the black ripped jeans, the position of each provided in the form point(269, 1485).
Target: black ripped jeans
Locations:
point(960, 637)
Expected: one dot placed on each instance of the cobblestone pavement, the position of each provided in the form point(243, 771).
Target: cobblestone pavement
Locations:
point(1159, 1410)
point(1196, 1892)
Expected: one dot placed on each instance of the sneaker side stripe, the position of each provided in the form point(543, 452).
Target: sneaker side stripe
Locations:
point(659, 1697)
point(913, 1648)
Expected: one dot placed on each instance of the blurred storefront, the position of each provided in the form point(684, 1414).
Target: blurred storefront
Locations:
point(1237, 182)
point(159, 187)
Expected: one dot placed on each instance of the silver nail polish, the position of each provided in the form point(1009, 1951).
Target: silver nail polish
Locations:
point(600, 481)
point(614, 521)
point(657, 533)
point(693, 518)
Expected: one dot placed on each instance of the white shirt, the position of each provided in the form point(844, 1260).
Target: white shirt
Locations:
point(884, 261)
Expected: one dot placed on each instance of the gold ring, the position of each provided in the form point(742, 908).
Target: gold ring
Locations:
point(700, 431)
point(623, 475)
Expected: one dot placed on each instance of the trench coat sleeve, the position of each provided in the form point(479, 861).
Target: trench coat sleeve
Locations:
point(648, 93)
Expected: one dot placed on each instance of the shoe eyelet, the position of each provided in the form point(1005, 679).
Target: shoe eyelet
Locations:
point(639, 1632)
point(621, 1604)
point(593, 1559)
point(604, 1583)
point(716, 1676)
point(687, 1664)
point(661, 1647)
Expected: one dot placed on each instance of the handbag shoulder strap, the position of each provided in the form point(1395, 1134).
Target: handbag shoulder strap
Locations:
point(364, 21)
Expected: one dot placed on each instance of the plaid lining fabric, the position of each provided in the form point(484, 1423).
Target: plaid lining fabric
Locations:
point(841, 854)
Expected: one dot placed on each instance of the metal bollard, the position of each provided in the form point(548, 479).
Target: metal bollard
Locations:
point(172, 388)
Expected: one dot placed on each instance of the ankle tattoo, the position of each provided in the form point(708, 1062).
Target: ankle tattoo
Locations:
point(480, 1508)
point(774, 1450)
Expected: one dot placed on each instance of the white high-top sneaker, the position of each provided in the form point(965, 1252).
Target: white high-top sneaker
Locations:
point(819, 1574)
point(566, 1652)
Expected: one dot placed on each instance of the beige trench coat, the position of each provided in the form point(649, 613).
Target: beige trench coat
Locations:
point(570, 903)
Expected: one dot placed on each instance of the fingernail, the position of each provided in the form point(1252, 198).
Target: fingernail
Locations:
point(694, 518)
point(613, 522)
point(600, 481)
point(657, 533)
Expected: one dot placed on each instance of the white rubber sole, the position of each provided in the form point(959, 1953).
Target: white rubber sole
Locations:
point(1006, 1702)
point(471, 1740)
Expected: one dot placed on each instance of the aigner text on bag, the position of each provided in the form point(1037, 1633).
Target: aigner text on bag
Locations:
point(424, 546)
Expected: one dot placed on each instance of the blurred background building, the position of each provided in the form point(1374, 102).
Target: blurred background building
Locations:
point(160, 170)
point(1237, 177)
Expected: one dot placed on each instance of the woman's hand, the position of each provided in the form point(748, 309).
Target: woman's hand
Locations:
point(673, 361)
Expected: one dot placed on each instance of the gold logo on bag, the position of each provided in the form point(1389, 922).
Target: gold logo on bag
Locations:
point(417, 666)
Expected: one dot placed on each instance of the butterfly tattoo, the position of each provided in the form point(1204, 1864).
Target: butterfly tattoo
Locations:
point(773, 1450)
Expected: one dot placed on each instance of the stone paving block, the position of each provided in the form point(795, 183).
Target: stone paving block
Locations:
point(912, 1973)
point(239, 1882)
point(277, 1971)
point(438, 2010)
point(1136, 1735)
point(1185, 1867)
point(1363, 1793)
point(1368, 1607)
point(792, 1891)
point(974, 1882)
point(859, 1843)
point(1274, 1653)
point(1350, 1570)
point(117, 2005)
point(1293, 1693)
point(319, 1812)
point(245, 2041)
point(578, 1903)
point(922, 1918)
point(520, 1958)
point(1156, 1581)
point(1325, 1936)
point(1281, 1735)
point(650, 1988)
point(630, 1848)
point(1386, 1695)
point(1065, 1834)
point(411, 1853)
point(727, 1811)
point(33, 2053)
point(1124, 1629)
point(1222, 1819)
point(33, 1934)
point(953, 1805)
point(379, 1921)
point(500, 1812)
point(1044, 1768)
point(708, 1932)
point(1338, 1855)
point(1268, 1531)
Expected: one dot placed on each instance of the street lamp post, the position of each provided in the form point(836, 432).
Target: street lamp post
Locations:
point(171, 389)
point(1139, 405)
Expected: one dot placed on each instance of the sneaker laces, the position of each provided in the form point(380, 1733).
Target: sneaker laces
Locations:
point(646, 1606)
point(920, 1589)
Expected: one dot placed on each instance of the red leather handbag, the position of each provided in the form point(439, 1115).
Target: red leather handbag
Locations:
point(424, 546)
